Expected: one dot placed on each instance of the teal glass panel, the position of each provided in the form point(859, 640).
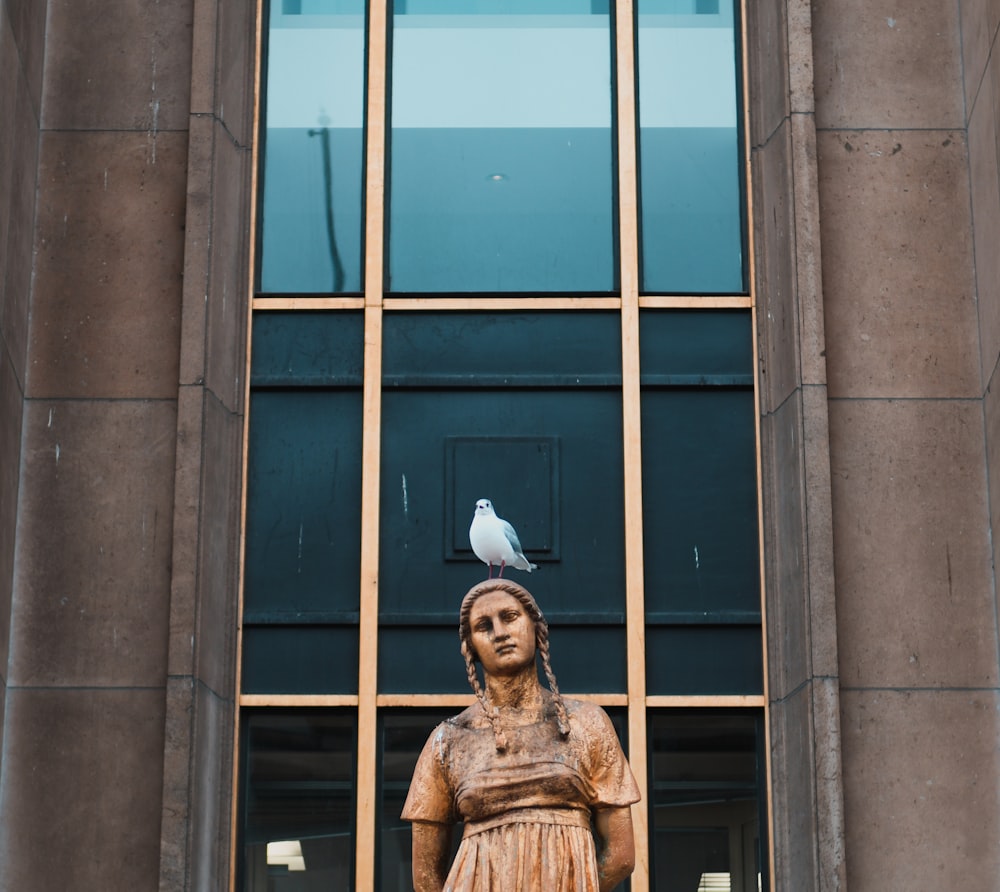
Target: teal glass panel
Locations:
point(693, 659)
point(699, 467)
point(707, 800)
point(516, 409)
point(501, 166)
point(298, 801)
point(303, 503)
point(300, 659)
point(426, 659)
point(402, 735)
point(312, 177)
point(690, 187)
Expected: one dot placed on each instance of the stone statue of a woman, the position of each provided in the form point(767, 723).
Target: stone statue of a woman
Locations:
point(540, 782)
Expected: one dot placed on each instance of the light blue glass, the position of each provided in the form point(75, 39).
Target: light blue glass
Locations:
point(501, 165)
point(690, 185)
point(312, 175)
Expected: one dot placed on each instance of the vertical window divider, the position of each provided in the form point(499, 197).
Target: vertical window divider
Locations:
point(631, 426)
point(364, 862)
point(234, 796)
point(752, 290)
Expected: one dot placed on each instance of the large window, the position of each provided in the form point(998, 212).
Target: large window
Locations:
point(501, 253)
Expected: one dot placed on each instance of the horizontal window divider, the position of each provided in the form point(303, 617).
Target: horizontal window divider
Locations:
point(521, 302)
point(748, 787)
point(464, 700)
point(703, 618)
point(672, 380)
point(303, 302)
point(300, 618)
point(478, 382)
point(695, 302)
point(451, 619)
point(300, 700)
point(302, 382)
point(702, 701)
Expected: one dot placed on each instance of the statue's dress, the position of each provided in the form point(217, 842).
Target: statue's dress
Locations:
point(526, 811)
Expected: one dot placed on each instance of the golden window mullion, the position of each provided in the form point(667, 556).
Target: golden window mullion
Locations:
point(635, 630)
point(375, 123)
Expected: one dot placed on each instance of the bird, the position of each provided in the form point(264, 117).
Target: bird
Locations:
point(494, 541)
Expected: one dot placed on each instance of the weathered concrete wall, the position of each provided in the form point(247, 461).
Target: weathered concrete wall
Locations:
point(94, 161)
point(911, 350)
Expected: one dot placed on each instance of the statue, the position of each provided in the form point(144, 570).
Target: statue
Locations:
point(540, 782)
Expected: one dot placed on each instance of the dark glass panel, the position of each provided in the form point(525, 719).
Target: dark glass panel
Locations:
point(700, 501)
point(490, 349)
point(426, 659)
point(555, 472)
point(403, 735)
point(707, 800)
point(313, 147)
point(284, 659)
point(298, 801)
point(696, 347)
point(689, 659)
point(303, 349)
point(501, 165)
point(304, 502)
point(691, 191)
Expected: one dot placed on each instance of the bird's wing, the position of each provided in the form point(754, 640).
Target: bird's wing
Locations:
point(508, 531)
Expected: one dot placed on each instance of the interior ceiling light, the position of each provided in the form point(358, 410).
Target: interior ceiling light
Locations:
point(497, 177)
point(287, 852)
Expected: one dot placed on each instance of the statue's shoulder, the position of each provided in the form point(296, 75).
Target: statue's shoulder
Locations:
point(468, 719)
point(587, 714)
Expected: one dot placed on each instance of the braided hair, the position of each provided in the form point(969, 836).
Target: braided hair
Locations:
point(523, 596)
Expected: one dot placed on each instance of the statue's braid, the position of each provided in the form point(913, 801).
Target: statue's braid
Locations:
point(491, 712)
point(562, 717)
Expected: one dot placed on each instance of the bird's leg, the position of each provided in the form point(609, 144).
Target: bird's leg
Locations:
point(502, 565)
point(490, 565)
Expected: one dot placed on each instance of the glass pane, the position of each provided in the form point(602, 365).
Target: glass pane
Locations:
point(313, 147)
point(300, 659)
point(303, 504)
point(501, 170)
point(299, 807)
point(421, 659)
point(403, 736)
point(517, 411)
point(693, 659)
point(699, 471)
point(707, 801)
point(689, 147)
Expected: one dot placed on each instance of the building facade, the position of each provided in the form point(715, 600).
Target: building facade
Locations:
point(128, 300)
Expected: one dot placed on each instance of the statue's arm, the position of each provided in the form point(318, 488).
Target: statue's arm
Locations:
point(615, 845)
point(431, 848)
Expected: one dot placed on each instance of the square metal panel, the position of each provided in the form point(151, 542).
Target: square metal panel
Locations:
point(520, 475)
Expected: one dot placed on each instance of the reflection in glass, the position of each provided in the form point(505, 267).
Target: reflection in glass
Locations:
point(689, 151)
point(706, 801)
point(501, 150)
point(312, 173)
point(298, 802)
point(403, 736)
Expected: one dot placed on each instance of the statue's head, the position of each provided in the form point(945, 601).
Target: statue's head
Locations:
point(518, 592)
point(523, 597)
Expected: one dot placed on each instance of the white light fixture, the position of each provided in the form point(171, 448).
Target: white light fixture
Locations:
point(287, 852)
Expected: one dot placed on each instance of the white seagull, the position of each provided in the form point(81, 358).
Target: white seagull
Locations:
point(494, 541)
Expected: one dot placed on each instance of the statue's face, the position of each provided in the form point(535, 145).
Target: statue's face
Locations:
point(502, 634)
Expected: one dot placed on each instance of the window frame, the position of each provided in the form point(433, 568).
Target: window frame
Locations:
point(629, 303)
